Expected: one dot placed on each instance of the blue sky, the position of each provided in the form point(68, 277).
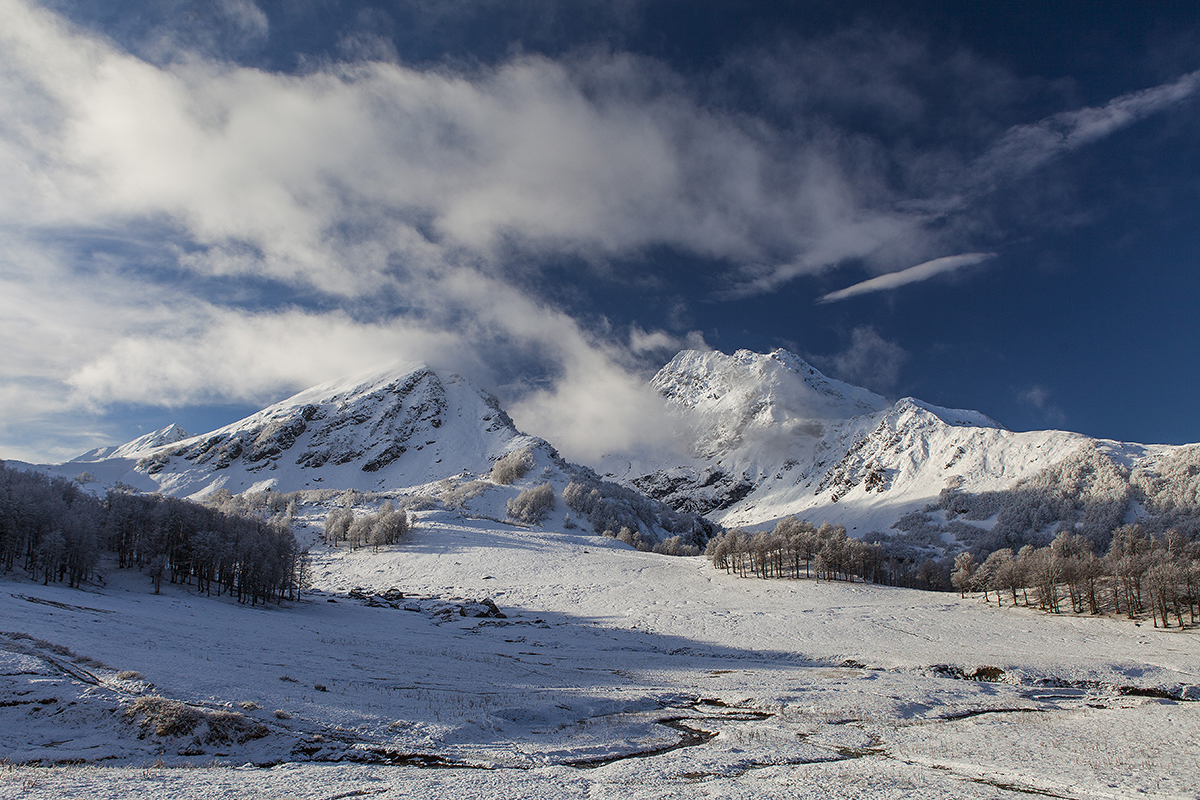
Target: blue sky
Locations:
point(208, 206)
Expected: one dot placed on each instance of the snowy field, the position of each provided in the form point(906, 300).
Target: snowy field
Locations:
point(613, 673)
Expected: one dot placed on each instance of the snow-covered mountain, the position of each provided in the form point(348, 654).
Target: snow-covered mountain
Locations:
point(770, 436)
point(150, 441)
point(396, 427)
point(765, 436)
point(401, 430)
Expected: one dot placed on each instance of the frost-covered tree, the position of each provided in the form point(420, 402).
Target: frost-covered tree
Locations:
point(1003, 573)
point(387, 526)
point(963, 576)
point(513, 466)
point(337, 525)
point(609, 507)
point(777, 554)
point(675, 546)
point(532, 505)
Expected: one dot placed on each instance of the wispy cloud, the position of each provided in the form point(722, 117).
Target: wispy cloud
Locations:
point(870, 360)
point(1038, 397)
point(946, 215)
point(1024, 148)
point(921, 272)
point(306, 224)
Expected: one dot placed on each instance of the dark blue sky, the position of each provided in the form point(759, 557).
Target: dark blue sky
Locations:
point(215, 204)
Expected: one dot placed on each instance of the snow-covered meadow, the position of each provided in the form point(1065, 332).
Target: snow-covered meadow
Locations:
point(612, 673)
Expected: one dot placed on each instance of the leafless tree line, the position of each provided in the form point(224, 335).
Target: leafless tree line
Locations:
point(824, 552)
point(1141, 572)
point(383, 527)
point(56, 532)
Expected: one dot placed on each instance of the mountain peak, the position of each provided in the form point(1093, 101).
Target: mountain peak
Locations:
point(400, 425)
point(771, 435)
point(780, 383)
point(959, 417)
point(351, 387)
point(139, 446)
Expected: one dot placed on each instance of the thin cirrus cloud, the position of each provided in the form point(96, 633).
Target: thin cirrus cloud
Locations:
point(921, 272)
point(1024, 148)
point(875, 233)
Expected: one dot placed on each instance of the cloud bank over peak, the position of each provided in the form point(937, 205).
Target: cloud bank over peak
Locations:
point(386, 201)
point(182, 228)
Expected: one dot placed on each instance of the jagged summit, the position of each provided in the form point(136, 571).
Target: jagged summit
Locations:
point(779, 384)
point(775, 404)
point(771, 436)
point(143, 444)
point(402, 425)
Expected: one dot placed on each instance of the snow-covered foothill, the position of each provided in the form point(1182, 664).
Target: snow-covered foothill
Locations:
point(769, 436)
point(142, 444)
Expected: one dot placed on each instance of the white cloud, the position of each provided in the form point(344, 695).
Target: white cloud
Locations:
point(920, 272)
point(598, 406)
point(870, 361)
point(663, 343)
point(595, 154)
point(387, 198)
point(1038, 397)
point(227, 355)
point(1026, 147)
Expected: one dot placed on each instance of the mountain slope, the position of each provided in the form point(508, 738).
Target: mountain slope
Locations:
point(404, 431)
point(764, 436)
point(150, 441)
point(402, 426)
point(769, 436)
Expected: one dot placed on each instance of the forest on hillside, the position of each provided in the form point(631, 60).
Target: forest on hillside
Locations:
point(55, 531)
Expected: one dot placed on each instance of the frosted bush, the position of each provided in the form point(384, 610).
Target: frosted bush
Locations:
point(459, 495)
point(532, 505)
point(513, 466)
point(165, 717)
point(674, 546)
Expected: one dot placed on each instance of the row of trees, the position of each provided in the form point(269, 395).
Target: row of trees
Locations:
point(825, 552)
point(383, 527)
point(55, 531)
point(1141, 572)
